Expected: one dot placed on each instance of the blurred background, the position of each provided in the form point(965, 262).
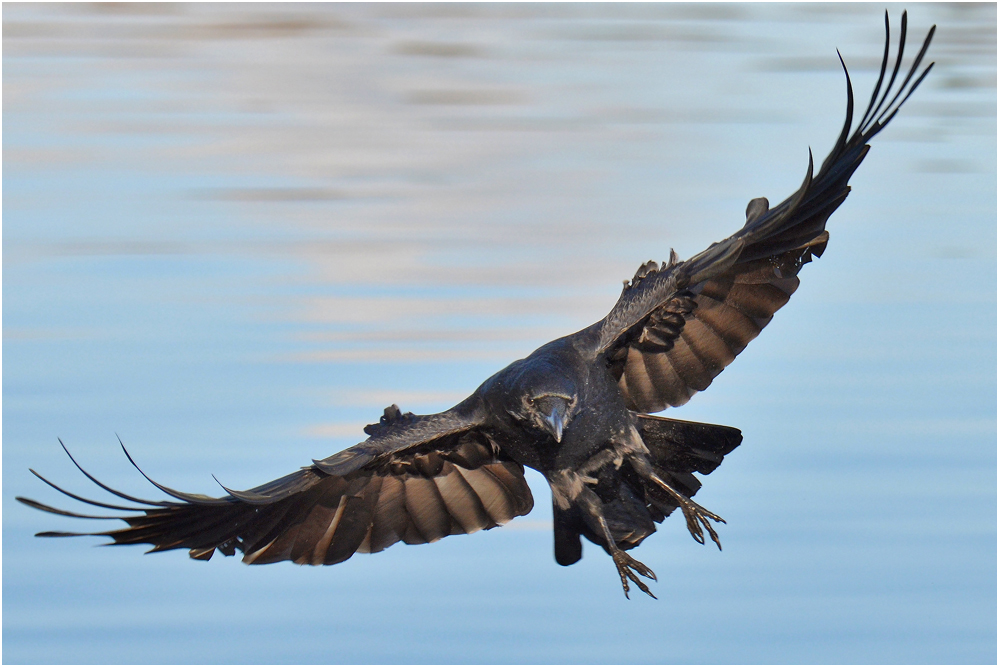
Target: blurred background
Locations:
point(232, 234)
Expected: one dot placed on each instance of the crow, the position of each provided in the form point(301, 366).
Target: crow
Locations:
point(577, 410)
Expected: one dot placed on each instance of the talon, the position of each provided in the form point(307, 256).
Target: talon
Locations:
point(697, 517)
point(711, 532)
point(625, 565)
point(694, 514)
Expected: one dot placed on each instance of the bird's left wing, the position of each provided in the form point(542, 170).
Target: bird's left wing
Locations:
point(416, 480)
point(677, 325)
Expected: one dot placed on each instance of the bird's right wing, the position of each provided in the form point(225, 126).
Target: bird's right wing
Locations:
point(677, 325)
point(416, 480)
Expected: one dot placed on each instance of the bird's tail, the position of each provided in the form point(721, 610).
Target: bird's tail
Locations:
point(678, 449)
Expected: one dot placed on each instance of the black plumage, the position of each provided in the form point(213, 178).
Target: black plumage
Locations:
point(575, 410)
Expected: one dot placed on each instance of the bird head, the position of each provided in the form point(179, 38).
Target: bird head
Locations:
point(550, 412)
point(540, 392)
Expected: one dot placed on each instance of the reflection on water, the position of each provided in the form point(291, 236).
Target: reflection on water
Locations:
point(232, 234)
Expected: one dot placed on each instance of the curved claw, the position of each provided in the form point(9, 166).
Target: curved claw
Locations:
point(697, 516)
point(626, 565)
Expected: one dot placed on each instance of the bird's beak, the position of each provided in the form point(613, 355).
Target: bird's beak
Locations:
point(552, 413)
point(554, 422)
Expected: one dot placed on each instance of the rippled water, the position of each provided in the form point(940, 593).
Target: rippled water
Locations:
point(233, 234)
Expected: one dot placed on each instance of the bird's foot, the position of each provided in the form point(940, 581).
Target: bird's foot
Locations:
point(627, 569)
point(697, 516)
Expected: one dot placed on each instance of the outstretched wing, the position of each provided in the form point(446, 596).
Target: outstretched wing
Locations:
point(676, 326)
point(416, 480)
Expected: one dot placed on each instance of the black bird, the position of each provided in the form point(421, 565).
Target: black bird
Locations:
point(576, 410)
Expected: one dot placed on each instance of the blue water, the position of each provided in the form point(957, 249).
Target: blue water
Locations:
point(233, 234)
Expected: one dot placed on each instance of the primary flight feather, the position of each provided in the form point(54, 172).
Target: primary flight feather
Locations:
point(575, 410)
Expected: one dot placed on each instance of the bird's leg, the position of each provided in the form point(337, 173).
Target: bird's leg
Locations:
point(628, 567)
point(695, 514)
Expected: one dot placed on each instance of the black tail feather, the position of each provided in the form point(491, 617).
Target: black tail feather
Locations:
point(566, 530)
point(680, 446)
